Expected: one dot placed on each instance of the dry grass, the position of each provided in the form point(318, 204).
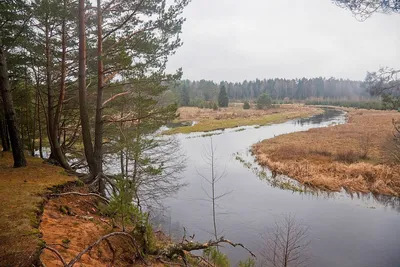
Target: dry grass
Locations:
point(352, 156)
point(235, 116)
point(21, 193)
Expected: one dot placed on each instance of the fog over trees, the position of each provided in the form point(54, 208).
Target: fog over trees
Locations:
point(190, 92)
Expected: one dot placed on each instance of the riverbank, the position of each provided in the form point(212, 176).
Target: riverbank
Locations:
point(235, 116)
point(353, 156)
point(22, 193)
point(35, 212)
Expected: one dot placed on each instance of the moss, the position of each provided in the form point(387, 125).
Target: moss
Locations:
point(66, 241)
point(79, 183)
point(63, 210)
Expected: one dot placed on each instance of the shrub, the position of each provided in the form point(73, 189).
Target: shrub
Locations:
point(392, 147)
point(215, 256)
point(247, 263)
point(264, 101)
point(246, 105)
point(347, 156)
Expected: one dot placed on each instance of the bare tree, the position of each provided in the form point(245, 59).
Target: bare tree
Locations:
point(393, 145)
point(286, 244)
point(210, 159)
point(363, 9)
point(385, 83)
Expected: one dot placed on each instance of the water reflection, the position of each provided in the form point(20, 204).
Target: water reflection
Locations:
point(347, 229)
point(327, 115)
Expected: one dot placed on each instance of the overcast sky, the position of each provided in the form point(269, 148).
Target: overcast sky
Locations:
point(234, 40)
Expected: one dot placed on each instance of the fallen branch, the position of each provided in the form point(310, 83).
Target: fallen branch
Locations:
point(178, 249)
point(82, 195)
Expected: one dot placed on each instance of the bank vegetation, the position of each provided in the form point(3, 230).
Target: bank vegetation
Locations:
point(235, 116)
point(360, 155)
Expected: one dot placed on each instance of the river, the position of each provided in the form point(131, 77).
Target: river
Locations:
point(345, 230)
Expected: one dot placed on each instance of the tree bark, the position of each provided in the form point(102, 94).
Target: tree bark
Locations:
point(9, 111)
point(98, 139)
point(53, 119)
point(5, 143)
point(83, 109)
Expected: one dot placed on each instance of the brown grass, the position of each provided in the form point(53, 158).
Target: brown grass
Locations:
point(352, 156)
point(235, 116)
point(21, 193)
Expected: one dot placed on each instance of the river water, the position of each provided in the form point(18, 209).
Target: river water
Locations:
point(345, 230)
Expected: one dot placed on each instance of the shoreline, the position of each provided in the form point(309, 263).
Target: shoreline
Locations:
point(350, 156)
point(209, 120)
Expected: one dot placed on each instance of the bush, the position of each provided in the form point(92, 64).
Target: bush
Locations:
point(347, 157)
point(246, 105)
point(248, 263)
point(215, 256)
point(392, 147)
point(264, 101)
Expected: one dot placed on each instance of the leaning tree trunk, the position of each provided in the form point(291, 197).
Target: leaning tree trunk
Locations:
point(9, 111)
point(83, 108)
point(54, 131)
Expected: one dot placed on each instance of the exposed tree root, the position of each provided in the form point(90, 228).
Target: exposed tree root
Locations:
point(81, 194)
point(90, 247)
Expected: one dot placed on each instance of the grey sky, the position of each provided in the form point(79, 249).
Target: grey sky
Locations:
point(235, 40)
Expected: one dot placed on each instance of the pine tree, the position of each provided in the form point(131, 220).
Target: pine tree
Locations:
point(264, 101)
point(185, 98)
point(223, 99)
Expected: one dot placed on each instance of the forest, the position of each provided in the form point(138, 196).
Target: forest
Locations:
point(87, 117)
point(192, 92)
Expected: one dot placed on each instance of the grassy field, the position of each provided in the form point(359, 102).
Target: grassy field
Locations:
point(353, 156)
point(21, 192)
point(235, 116)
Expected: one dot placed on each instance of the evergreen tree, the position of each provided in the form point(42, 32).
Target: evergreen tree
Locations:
point(223, 99)
point(264, 101)
point(185, 98)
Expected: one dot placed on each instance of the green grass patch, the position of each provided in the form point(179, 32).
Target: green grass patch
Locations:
point(213, 124)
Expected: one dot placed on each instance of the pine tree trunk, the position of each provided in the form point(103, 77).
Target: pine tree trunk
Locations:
point(54, 130)
point(98, 139)
point(16, 145)
point(5, 142)
point(83, 109)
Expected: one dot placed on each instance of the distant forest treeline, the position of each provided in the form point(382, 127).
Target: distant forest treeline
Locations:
point(190, 93)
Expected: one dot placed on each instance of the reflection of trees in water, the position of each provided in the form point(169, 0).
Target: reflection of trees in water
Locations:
point(329, 114)
point(392, 202)
point(275, 180)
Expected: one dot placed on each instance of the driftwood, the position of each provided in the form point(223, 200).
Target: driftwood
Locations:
point(180, 248)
